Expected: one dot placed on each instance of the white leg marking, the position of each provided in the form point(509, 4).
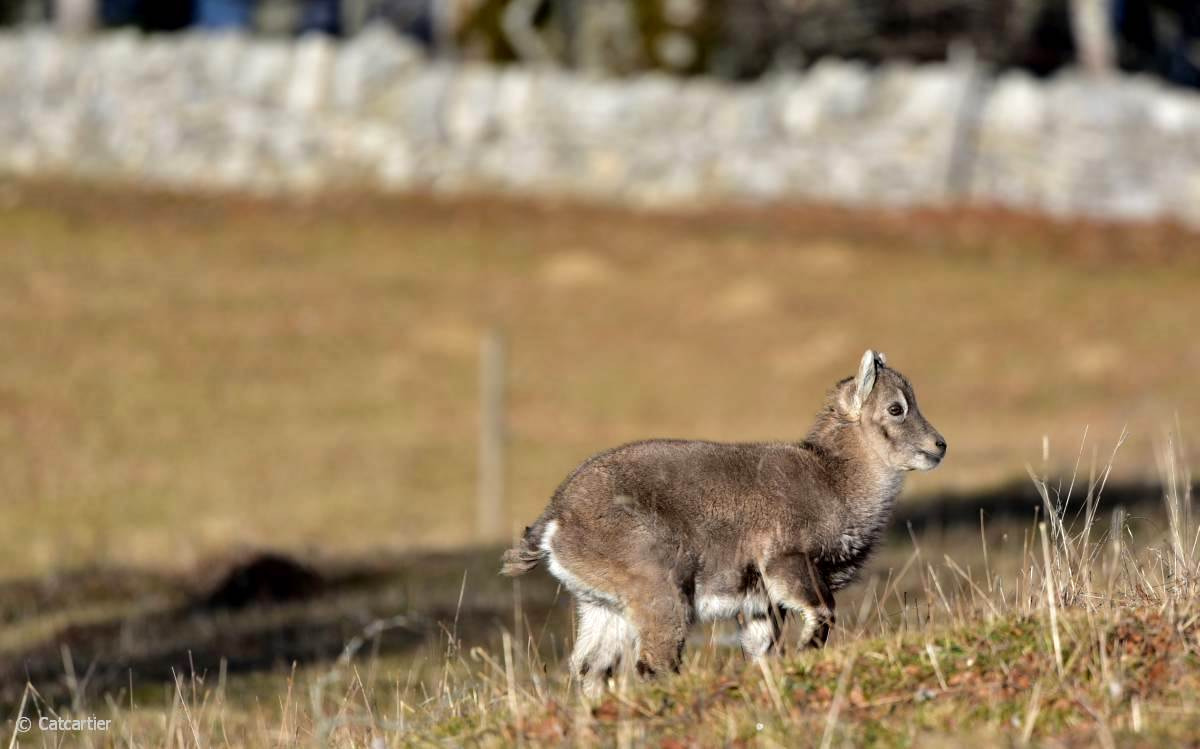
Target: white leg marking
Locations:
point(809, 627)
point(757, 636)
point(604, 637)
point(713, 606)
point(717, 606)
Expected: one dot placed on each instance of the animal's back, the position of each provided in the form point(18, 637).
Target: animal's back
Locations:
point(673, 497)
point(692, 486)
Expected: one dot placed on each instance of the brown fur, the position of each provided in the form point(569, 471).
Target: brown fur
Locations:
point(656, 531)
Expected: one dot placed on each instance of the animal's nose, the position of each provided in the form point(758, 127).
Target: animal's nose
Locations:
point(941, 445)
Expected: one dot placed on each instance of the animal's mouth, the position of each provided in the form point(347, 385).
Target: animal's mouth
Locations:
point(922, 461)
point(931, 460)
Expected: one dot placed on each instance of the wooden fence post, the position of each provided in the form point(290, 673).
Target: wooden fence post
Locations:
point(490, 511)
point(964, 137)
point(75, 17)
point(1090, 25)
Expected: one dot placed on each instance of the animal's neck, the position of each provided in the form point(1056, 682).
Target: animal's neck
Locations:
point(859, 476)
point(864, 484)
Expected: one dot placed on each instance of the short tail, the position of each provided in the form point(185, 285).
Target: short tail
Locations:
point(527, 554)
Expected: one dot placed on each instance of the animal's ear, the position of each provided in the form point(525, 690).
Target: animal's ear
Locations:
point(863, 382)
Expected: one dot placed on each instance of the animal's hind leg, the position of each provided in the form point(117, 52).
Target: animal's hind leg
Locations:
point(604, 636)
point(662, 617)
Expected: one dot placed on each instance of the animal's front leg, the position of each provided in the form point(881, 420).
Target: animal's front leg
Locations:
point(759, 630)
point(794, 582)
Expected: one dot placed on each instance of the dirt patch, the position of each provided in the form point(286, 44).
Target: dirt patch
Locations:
point(264, 580)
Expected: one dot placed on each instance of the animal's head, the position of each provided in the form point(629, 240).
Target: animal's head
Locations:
point(882, 404)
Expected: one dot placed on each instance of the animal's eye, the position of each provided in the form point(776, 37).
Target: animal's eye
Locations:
point(896, 409)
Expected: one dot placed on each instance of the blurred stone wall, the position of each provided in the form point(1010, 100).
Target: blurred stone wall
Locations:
point(235, 112)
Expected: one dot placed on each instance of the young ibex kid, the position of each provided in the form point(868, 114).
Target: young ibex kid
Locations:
point(654, 535)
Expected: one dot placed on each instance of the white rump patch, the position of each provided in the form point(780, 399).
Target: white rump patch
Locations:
point(570, 581)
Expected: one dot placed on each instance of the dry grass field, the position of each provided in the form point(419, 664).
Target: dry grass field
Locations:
point(188, 380)
point(188, 375)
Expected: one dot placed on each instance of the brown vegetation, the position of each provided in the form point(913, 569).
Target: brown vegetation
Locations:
point(185, 375)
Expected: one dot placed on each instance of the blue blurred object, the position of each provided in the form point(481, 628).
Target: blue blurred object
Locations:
point(1160, 36)
point(321, 16)
point(224, 14)
point(119, 12)
point(413, 18)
